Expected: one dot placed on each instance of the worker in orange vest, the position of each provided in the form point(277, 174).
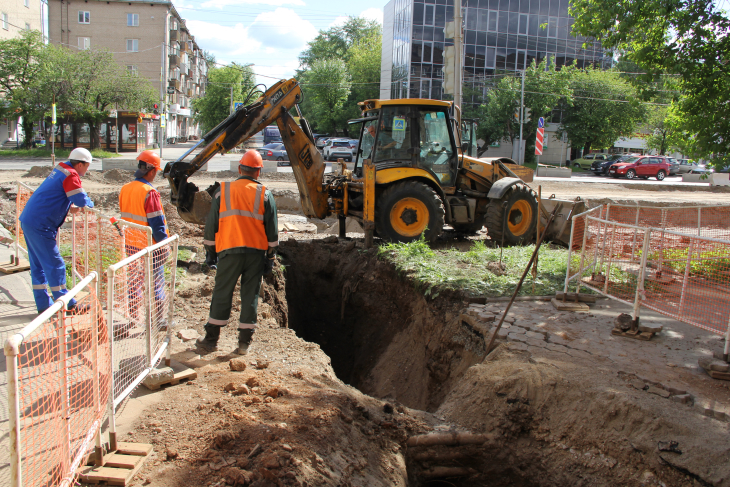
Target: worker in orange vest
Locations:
point(140, 203)
point(241, 231)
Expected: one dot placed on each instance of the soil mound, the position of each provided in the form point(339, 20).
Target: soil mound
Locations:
point(118, 176)
point(38, 172)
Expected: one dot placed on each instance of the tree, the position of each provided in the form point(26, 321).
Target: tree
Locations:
point(18, 71)
point(215, 105)
point(336, 42)
point(87, 84)
point(328, 87)
point(605, 108)
point(676, 37)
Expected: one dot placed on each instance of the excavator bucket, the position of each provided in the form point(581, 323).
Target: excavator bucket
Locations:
point(559, 231)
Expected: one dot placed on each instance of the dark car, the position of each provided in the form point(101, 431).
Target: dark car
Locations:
point(275, 152)
point(600, 167)
point(643, 167)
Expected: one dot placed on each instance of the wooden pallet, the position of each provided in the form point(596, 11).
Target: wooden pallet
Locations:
point(638, 335)
point(561, 305)
point(120, 466)
point(181, 373)
point(8, 268)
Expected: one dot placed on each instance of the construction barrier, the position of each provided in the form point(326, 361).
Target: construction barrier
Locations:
point(58, 389)
point(140, 306)
point(675, 261)
point(21, 198)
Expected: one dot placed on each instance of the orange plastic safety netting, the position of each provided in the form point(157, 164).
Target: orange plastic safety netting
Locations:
point(675, 260)
point(63, 368)
point(21, 199)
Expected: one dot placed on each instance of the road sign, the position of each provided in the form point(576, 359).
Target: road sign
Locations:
point(540, 136)
point(237, 104)
point(170, 90)
point(163, 121)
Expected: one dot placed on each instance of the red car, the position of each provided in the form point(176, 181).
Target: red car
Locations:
point(643, 167)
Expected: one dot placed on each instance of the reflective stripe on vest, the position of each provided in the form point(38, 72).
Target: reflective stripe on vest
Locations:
point(241, 217)
point(132, 198)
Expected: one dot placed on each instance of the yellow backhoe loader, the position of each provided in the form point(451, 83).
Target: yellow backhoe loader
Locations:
point(412, 172)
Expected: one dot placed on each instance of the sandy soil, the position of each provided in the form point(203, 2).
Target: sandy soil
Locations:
point(350, 362)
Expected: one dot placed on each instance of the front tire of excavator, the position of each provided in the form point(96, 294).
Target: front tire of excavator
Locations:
point(406, 210)
point(519, 229)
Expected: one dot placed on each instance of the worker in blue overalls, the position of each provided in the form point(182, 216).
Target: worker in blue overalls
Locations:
point(43, 215)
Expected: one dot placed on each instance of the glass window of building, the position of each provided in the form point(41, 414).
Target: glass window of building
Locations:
point(132, 20)
point(84, 17)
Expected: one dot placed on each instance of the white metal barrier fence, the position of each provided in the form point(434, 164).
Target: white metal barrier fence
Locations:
point(681, 274)
point(140, 307)
point(58, 388)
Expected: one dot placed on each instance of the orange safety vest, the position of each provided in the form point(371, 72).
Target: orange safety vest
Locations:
point(132, 198)
point(241, 216)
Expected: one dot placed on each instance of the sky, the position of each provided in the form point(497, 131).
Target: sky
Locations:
point(270, 34)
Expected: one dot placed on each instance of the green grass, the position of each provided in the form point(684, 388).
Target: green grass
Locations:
point(710, 264)
point(184, 254)
point(453, 269)
point(61, 154)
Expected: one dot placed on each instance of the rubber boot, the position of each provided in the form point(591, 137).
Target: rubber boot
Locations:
point(210, 341)
point(244, 340)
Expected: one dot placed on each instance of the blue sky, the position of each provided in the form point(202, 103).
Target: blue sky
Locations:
point(268, 33)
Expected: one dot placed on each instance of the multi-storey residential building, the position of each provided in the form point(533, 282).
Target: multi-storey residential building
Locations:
point(499, 36)
point(15, 17)
point(148, 38)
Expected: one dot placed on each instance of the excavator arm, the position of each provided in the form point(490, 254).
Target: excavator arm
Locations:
point(307, 163)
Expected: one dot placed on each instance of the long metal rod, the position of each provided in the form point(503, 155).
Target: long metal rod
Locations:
point(110, 325)
point(522, 279)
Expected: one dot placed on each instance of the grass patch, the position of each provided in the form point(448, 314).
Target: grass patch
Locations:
point(61, 154)
point(470, 271)
point(184, 254)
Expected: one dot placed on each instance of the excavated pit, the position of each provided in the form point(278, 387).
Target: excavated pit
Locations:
point(391, 342)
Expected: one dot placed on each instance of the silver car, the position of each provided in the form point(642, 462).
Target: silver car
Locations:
point(337, 149)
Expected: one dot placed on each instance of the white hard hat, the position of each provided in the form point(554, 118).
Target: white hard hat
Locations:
point(80, 154)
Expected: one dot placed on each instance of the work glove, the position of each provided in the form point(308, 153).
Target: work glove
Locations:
point(211, 259)
point(269, 265)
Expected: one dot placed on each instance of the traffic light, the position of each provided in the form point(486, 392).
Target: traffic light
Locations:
point(156, 110)
point(449, 72)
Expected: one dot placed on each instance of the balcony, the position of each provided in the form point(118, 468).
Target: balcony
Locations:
point(190, 92)
point(175, 83)
point(174, 60)
point(184, 68)
point(173, 35)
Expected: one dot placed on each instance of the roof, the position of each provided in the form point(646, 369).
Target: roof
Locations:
point(374, 104)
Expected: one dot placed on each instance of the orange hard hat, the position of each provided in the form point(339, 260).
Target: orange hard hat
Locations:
point(151, 158)
point(252, 158)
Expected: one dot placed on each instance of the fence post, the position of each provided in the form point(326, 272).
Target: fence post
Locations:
point(640, 276)
point(99, 460)
point(73, 247)
point(17, 225)
point(112, 385)
point(12, 347)
point(148, 306)
point(686, 277)
point(603, 246)
point(582, 257)
point(661, 242)
point(171, 311)
point(64, 390)
point(99, 264)
point(86, 242)
point(610, 258)
point(699, 221)
point(636, 230)
point(570, 252)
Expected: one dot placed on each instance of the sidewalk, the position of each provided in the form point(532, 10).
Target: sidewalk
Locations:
point(17, 309)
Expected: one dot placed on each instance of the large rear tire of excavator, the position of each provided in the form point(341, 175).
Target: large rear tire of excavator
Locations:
point(519, 229)
point(406, 210)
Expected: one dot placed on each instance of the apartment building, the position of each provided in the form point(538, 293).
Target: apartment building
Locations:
point(15, 17)
point(150, 38)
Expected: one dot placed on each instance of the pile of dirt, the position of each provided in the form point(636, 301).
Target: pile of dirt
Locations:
point(278, 176)
point(38, 172)
point(118, 176)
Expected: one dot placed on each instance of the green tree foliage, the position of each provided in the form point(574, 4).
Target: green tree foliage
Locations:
point(688, 39)
point(87, 85)
point(357, 44)
point(18, 72)
point(604, 108)
point(214, 106)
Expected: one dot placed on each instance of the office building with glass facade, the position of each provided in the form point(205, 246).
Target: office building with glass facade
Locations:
point(499, 36)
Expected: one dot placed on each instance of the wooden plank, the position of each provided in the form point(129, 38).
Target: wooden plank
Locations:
point(118, 460)
point(140, 449)
point(719, 375)
point(180, 372)
point(582, 297)
point(569, 305)
point(112, 476)
point(8, 268)
point(637, 335)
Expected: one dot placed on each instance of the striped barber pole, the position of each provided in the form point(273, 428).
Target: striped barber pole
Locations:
point(540, 134)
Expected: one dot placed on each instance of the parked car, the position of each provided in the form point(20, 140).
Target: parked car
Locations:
point(275, 152)
point(354, 143)
point(600, 166)
point(641, 167)
point(586, 161)
point(701, 168)
point(321, 141)
point(684, 166)
point(337, 148)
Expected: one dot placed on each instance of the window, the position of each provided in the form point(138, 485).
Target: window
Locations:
point(84, 43)
point(492, 21)
point(552, 27)
point(84, 17)
point(132, 70)
point(435, 147)
point(523, 25)
point(4, 19)
point(132, 20)
point(132, 45)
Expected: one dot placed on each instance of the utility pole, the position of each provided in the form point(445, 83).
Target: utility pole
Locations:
point(230, 108)
point(459, 59)
point(521, 153)
point(162, 96)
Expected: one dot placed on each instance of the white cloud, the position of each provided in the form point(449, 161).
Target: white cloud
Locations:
point(223, 41)
point(373, 14)
point(339, 21)
point(282, 29)
point(274, 3)
point(269, 74)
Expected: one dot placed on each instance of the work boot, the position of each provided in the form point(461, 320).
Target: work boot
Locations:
point(210, 341)
point(244, 340)
point(78, 309)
